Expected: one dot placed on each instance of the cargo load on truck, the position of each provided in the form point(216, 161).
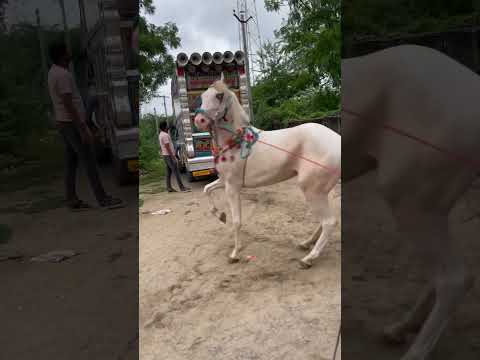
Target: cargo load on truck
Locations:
point(193, 75)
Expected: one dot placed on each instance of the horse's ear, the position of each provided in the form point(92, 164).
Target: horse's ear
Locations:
point(222, 77)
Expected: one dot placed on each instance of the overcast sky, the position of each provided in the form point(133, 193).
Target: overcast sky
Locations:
point(207, 25)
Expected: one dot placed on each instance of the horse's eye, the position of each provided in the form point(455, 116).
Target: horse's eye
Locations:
point(220, 97)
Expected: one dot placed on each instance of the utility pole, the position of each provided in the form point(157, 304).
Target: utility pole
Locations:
point(43, 56)
point(156, 122)
point(83, 20)
point(66, 32)
point(243, 23)
point(42, 48)
point(164, 104)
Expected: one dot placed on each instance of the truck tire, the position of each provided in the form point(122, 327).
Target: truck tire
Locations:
point(190, 177)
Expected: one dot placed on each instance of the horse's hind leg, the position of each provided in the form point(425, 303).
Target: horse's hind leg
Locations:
point(397, 333)
point(305, 245)
point(321, 208)
point(451, 282)
point(209, 188)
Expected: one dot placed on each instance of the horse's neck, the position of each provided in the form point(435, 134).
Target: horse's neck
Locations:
point(238, 115)
point(239, 119)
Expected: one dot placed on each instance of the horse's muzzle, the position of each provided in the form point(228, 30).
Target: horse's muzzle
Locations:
point(201, 122)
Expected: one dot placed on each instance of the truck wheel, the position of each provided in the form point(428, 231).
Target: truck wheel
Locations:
point(190, 177)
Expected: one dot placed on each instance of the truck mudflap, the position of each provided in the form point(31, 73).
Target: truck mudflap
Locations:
point(125, 155)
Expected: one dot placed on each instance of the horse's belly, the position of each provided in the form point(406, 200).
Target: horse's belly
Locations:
point(267, 167)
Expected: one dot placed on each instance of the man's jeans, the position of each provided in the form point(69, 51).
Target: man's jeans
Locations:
point(172, 168)
point(76, 150)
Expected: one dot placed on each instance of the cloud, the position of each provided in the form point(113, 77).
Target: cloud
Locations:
point(208, 25)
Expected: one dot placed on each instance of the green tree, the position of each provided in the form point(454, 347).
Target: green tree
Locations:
point(24, 102)
point(311, 36)
point(3, 4)
point(383, 18)
point(156, 64)
point(301, 78)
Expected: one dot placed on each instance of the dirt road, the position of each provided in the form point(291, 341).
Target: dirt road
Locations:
point(195, 305)
point(84, 307)
point(383, 275)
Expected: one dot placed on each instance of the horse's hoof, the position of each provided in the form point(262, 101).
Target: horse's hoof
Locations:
point(223, 218)
point(392, 336)
point(233, 260)
point(303, 247)
point(305, 265)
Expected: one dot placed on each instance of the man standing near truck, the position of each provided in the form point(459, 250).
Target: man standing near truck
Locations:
point(168, 153)
point(71, 121)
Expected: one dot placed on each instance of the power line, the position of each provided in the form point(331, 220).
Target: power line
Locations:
point(262, 63)
point(239, 27)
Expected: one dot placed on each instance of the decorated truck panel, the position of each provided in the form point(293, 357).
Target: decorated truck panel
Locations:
point(111, 77)
point(192, 77)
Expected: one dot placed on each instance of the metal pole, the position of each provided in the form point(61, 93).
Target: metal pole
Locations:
point(67, 35)
point(83, 23)
point(156, 123)
point(164, 104)
point(243, 23)
point(42, 49)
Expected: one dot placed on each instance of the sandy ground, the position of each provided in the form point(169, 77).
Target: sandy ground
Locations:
point(85, 307)
point(195, 305)
point(383, 274)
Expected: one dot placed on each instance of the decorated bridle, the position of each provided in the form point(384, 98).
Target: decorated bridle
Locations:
point(243, 138)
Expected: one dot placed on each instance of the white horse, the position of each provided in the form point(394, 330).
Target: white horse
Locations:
point(309, 151)
point(414, 113)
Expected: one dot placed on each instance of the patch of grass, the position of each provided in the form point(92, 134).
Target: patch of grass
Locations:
point(154, 172)
point(37, 162)
point(5, 233)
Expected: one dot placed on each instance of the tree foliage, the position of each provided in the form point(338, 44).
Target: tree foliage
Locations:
point(3, 4)
point(302, 65)
point(311, 36)
point(24, 101)
point(151, 163)
point(383, 18)
point(156, 64)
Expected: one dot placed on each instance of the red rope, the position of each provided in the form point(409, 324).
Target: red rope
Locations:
point(468, 161)
point(329, 169)
point(452, 155)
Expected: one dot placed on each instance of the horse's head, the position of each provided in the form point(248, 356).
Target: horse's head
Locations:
point(215, 102)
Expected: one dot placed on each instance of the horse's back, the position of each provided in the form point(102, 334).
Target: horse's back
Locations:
point(321, 139)
point(429, 102)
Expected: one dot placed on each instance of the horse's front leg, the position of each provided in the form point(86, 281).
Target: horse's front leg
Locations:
point(209, 188)
point(233, 197)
